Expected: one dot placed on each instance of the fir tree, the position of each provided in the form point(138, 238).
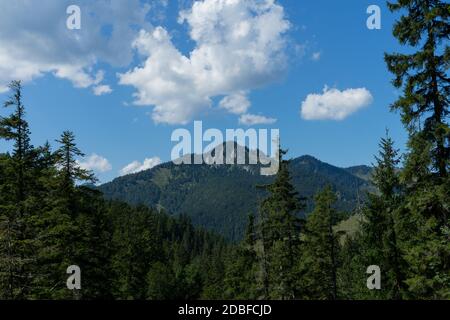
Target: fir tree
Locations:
point(280, 234)
point(382, 219)
point(423, 75)
point(64, 221)
point(320, 249)
point(66, 159)
point(424, 106)
point(16, 234)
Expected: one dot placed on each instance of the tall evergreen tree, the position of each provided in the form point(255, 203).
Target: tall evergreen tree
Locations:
point(382, 221)
point(280, 234)
point(64, 222)
point(320, 250)
point(16, 235)
point(66, 160)
point(423, 75)
point(424, 106)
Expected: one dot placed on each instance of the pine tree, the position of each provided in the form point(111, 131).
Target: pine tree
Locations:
point(382, 221)
point(66, 159)
point(280, 234)
point(423, 75)
point(16, 235)
point(424, 106)
point(320, 249)
point(64, 221)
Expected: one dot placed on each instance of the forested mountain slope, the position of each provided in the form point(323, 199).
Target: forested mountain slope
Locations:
point(220, 197)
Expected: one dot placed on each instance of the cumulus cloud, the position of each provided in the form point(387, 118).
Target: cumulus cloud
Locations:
point(34, 39)
point(253, 119)
point(101, 90)
point(137, 166)
point(237, 103)
point(96, 163)
point(238, 46)
point(334, 104)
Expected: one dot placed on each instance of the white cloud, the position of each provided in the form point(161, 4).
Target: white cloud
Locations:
point(334, 104)
point(34, 39)
point(253, 119)
point(96, 163)
point(316, 56)
point(239, 46)
point(236, 103)
point(137, 166)
point(101, 90)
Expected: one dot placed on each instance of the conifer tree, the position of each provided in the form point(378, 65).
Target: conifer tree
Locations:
point(66, 159)
point(16, 235)
point(424, 106)
point(320, 249)
point(64, 220)
point(382, 221)
point(280, 234)
point(423, 75)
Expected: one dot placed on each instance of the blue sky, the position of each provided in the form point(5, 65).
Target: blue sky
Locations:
point(316, 44)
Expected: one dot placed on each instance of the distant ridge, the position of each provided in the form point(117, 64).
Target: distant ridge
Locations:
point(219, 197)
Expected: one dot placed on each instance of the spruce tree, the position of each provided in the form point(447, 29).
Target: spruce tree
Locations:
point(280, 234)
point(423, 75)
point(424, 106)
point(320, 249)
point(66, 159)
point(63, 222)
point(16, 234)
point(383, 221)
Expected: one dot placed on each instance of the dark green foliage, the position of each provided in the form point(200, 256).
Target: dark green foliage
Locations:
point(17, 208)
point(242, 267)
point(280, 234)
point(241, 275)
point(351, 276)
point(266, 260)
point(382, 219)
point(320, 250)
point(423, 75)
point(66, 159)
point(424, 106)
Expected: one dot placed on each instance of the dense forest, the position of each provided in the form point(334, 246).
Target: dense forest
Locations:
point(50, 218)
